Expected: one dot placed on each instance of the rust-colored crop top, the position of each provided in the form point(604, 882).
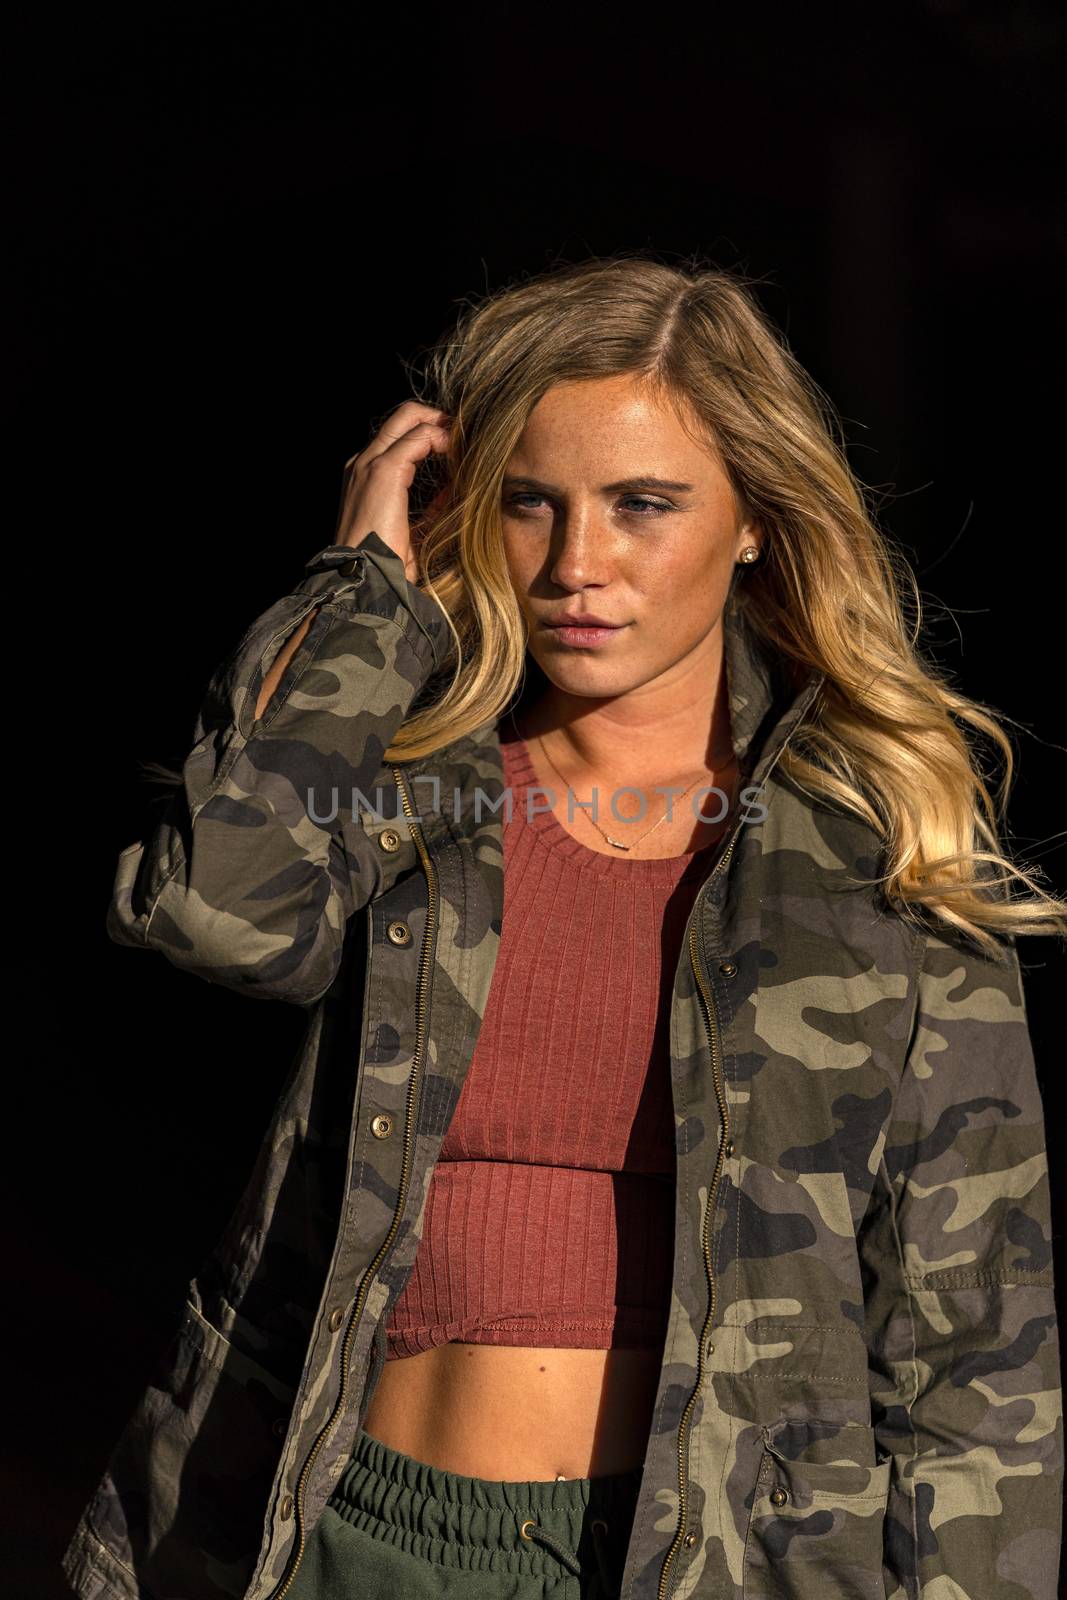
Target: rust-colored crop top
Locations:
point(550, 1214)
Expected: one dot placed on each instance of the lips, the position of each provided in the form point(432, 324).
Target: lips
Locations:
point(582, 621)
point(583, 632)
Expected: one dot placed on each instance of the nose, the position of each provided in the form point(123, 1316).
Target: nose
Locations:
point(579, 555)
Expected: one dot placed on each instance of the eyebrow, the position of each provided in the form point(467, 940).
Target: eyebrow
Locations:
point(644, 482)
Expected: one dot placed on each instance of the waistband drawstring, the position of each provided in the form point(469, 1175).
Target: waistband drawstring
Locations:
point(533, 1530)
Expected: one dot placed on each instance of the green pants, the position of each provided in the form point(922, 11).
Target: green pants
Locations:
point(399, 1529)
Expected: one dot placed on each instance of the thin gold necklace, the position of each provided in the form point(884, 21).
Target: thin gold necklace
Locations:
point(617, 843)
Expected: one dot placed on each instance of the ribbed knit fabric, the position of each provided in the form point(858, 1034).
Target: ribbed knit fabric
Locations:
point(550, 1216)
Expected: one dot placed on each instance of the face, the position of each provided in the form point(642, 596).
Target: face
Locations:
point(587, 534)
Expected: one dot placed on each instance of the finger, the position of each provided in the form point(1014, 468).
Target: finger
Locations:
point(403, 421)
point(438, 431)
point(376, 493)
point(402, 456)
point(415, 443)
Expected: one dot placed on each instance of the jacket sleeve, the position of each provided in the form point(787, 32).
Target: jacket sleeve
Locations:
point(956, 1254)
point(257, 863)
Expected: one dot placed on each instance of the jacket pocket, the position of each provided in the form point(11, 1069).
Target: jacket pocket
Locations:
point(183, 1496)
point(817, 1522)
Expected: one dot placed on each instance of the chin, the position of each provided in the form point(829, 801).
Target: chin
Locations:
point(597, 679)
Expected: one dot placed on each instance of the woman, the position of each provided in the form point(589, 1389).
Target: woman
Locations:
point(658, 1203)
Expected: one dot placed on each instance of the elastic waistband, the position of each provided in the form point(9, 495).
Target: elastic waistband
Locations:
point(463, 1521)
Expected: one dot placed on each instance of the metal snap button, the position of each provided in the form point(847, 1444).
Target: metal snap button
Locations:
point(710, 1350)
point(728, 968)
point(389, 839)
point(382, 1125)
point(728, 1148)
point(285, 1510)
point(353, 568)
point(398, 933)
point(778, 1497)
point(337, 1316)
point(690, 1539)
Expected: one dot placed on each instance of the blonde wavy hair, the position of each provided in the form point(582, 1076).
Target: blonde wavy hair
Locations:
point(887, 737)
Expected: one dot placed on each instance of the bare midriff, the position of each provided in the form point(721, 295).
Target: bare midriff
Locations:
point(517, 1412)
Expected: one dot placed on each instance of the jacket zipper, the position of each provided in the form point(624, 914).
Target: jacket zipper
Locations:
point(413, 1086)
point(711, 1022)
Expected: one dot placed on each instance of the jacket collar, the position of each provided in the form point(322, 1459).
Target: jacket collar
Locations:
point(764, 706)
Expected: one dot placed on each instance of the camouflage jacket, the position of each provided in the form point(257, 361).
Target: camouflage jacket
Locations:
point(860, 1383)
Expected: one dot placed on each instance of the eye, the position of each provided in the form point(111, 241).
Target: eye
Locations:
point(653, 506)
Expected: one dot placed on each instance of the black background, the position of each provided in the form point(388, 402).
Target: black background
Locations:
point(233, 226)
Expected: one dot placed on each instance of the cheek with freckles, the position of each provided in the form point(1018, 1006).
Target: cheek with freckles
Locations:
point(686, 590)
